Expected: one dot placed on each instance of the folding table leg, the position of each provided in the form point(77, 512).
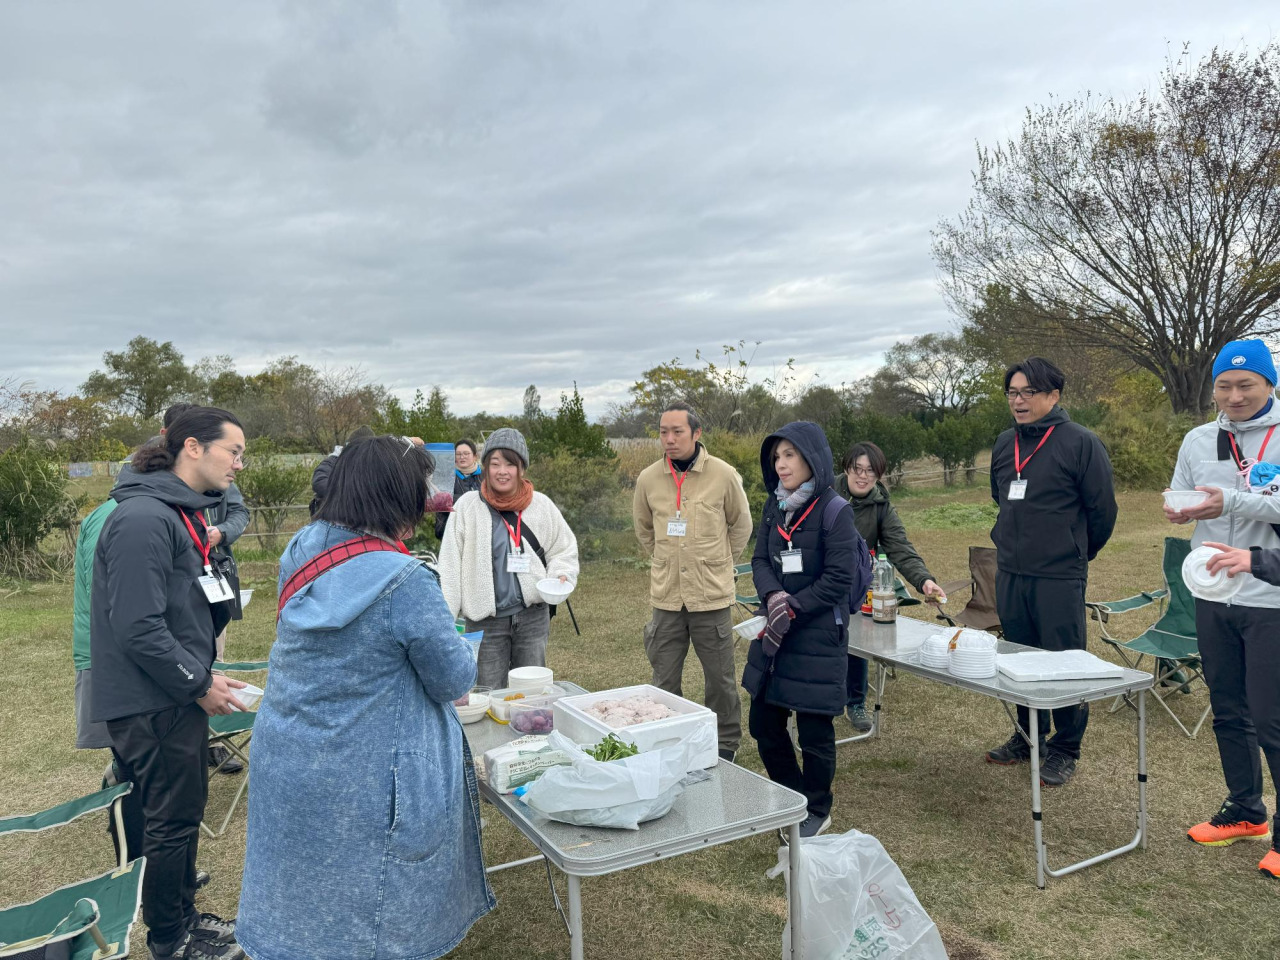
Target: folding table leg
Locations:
point(878, 686)
point(1033, 724)
point(794, 914)
point(575, 918)
point(1142, 767)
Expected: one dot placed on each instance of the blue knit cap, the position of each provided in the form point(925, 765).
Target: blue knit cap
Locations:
point(1251, 355)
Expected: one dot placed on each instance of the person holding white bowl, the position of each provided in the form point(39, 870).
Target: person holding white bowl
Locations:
point(1232, 462)
point(501, 540)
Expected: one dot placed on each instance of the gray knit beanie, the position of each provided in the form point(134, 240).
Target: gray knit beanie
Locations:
point(508, 438)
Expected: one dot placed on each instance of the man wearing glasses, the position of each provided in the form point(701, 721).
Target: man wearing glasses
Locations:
point(1051, 479)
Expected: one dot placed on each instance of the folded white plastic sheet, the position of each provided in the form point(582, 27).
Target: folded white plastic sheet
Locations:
point(1043, 665)
point(855, 904)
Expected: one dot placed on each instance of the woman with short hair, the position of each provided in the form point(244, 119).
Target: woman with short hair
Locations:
point(861, 482)
point(364, 816)
point(500, 541)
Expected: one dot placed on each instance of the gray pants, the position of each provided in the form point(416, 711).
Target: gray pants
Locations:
point(516, 641)
point(666, 642)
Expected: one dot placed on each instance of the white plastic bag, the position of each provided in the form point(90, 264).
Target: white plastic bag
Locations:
point(615, 793)
point(855, 904)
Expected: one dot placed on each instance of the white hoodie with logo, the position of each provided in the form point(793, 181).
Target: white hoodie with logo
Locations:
point(1246, 517)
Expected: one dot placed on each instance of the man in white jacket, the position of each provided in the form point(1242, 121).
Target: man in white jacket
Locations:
point(1230, 461)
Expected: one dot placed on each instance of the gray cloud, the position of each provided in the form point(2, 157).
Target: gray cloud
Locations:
point(485, 195)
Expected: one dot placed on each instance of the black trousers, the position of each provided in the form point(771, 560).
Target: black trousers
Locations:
point(1049, 614)
point(768, 724)
point(165, 755)
point(855, 683)
point(1240, 650)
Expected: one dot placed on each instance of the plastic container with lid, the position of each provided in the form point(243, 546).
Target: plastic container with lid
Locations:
point(532, 715)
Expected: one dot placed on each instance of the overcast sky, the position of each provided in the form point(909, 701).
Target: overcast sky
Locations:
point(485, 194)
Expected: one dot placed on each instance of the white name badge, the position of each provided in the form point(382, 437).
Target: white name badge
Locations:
point(792, 561)
point(216, 589)
point(676, 527)
point(1017, 489)
point(519, 562)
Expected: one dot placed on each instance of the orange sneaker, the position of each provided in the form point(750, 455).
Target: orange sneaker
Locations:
point(1225, 827)
point(1270, 865)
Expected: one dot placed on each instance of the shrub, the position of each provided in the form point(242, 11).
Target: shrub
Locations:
point(901, 438)
point(271, 486)
point(590, 493)
point(742, 452)
point(1143, 445)
point(34, 502)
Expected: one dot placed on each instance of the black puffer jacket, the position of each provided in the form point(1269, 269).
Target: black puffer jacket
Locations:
point(1070, 506)
point(151, 628)
point(808, 674)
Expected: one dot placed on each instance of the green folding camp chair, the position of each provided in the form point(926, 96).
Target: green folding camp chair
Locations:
point(1170, 643)
point(88, 920)
point(233, 731)
point(747, 602)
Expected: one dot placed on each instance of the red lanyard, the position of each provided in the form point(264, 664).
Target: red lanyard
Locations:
point(786, 534)
point(1261, 450)
point(515, 533)
point(1018, 464)
point(679, 481)
point(202, 547)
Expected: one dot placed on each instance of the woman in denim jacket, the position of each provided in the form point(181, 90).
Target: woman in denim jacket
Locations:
point(364, 822)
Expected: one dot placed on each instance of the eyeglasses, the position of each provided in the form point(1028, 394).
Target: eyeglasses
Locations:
point(862, 471)
point(1026, 394)
point(237, 456)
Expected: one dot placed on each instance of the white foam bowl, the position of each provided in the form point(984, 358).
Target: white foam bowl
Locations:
point(529, 680)
point(553, 591)
point(245, 597)
point(1215, 587)
point(750, 629)
point(477, 706)
point(1184, 499)
point(249, 695)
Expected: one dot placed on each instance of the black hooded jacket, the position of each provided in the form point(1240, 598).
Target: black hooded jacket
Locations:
point(151, 629)
point(808, 673)
point(1070, 506)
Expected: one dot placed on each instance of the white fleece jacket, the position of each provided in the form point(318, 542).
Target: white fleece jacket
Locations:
point(466, 554)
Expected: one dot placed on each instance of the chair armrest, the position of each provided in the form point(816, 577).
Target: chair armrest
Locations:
point(1104, 609)
point(64, 813)
point(951, 586)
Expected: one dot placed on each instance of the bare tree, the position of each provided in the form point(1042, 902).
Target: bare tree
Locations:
point(940, 374)
point(1150, 227)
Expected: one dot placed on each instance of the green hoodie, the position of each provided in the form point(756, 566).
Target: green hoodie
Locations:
point(880, 526)
point(86, 544)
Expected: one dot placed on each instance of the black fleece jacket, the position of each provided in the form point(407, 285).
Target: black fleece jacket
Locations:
point(151, 629)
point(1070, 506)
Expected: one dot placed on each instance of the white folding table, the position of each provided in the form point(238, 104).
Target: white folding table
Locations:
point(897, 646)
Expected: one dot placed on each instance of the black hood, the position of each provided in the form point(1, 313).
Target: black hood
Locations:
point(164, 486)
point(809, 439)
point(1051, 419)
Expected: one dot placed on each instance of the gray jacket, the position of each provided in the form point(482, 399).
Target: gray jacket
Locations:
point(1246, 517)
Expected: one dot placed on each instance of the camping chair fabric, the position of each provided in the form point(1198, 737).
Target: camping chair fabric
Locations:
point(980, 612)
point(87, 920)
point(1171, 641)
point(64, 813)
point(232, 731)
point(747, 601)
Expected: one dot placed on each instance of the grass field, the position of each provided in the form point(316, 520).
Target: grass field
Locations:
point(959, 828)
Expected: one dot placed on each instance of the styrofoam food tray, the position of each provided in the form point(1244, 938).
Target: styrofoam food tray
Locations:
point(1044, 665)
point(572, 719)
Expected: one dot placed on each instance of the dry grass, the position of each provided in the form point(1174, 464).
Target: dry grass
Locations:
point(959, 828)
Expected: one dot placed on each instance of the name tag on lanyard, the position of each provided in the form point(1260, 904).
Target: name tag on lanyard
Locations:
point(216, 589)
point(677, 526)
point(792, 560)
point(518, 562)
point(1017, 489)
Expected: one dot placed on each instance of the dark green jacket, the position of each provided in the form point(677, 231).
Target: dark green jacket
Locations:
point(880, 526)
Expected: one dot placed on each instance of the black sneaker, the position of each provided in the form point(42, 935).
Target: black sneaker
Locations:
point(812, 825)
point(221, 755)
point(858, 717)
point(202, 878)
point(1014, 750)
point(1057, 769)
point(190, 948)
point(726, 754)
point(211, 927)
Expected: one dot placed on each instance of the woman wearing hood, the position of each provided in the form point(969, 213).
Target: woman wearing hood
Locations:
point(364, 816)
point(804, 574)
point(861, 483)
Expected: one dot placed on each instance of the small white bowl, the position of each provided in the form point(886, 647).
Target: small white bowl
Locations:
point(1184, 499)
point(245, 597)
point(249, 695)
point(750, 629)
point(477, 705)
point(553, 591)
point(529, 680)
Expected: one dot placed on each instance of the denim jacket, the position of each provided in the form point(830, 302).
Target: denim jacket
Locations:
point(364, 821)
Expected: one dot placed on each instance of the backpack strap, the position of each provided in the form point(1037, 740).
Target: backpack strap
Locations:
point(326, 561)
point(832, 510)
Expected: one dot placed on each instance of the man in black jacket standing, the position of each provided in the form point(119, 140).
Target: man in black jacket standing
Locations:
point(157, 606)
point(1052, 481)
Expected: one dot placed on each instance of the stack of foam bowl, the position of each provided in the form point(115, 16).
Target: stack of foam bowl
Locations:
point(529, 680)
point(974, 656)
point(934, 651)
point(1216, 587)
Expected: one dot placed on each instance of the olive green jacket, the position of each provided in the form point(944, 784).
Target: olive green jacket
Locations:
point(880, 526)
